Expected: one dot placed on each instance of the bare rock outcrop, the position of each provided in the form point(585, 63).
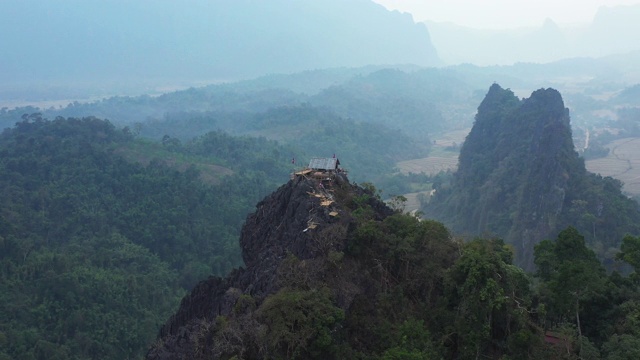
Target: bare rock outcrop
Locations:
point(304, 219)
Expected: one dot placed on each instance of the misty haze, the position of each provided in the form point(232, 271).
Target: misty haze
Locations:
point(301, 179)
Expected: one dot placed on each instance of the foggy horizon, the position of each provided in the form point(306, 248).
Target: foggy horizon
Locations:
point(80, 50)
point(501, 15)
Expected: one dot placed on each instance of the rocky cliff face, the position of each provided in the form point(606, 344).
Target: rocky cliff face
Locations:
point(282, 242)
point(549, 160)
point(515, 170)
point(520, 179)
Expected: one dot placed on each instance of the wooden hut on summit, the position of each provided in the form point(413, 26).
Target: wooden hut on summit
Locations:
point(324, 164)
point(321, 168)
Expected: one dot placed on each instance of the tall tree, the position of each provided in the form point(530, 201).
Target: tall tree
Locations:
point(571, 275)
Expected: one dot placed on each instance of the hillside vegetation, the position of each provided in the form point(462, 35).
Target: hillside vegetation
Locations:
point(102, 233)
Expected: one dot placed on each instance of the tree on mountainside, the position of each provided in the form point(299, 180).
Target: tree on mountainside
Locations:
point(491, 299)
point(630, 251)
point(571, 275)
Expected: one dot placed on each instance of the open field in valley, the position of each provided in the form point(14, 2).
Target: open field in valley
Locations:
point(430, 165)
point(442, 157)
point(622, 163)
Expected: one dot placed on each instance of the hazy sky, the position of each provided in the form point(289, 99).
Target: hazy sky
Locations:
point(495, 14)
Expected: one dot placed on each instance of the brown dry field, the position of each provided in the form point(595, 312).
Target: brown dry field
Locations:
point(430, 165)
point(440, 160)
point(622, 163)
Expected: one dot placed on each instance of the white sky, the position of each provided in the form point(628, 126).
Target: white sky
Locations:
point(496, 14)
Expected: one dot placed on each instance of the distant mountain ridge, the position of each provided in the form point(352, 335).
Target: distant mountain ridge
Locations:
point(81, 42)
point(614, 30)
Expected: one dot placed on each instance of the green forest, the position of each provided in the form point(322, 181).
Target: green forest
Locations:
point(101, 234)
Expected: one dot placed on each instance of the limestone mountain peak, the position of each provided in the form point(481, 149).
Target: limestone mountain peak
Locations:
point(519, 177)
point(291, 234)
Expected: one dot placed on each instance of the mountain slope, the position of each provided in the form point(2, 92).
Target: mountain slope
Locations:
point(349, 279)
point(520, 178)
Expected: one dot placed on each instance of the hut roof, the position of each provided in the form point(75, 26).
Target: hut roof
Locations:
point(324, 163)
